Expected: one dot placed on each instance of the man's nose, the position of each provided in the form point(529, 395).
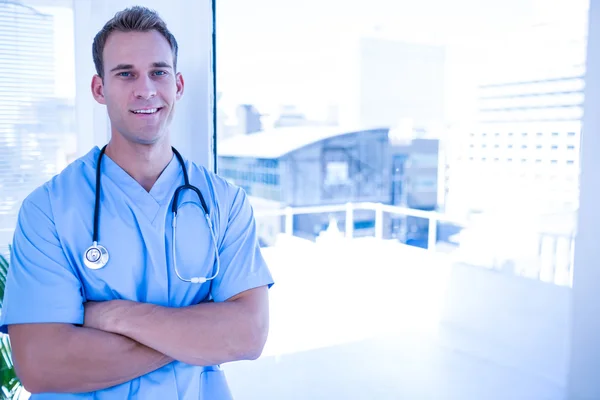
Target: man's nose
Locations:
point(144, 88)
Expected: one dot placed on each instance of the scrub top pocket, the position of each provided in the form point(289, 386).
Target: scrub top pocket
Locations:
point(213, 386)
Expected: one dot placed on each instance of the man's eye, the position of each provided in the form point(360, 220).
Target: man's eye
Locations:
point(160, 73)
point(124, 74)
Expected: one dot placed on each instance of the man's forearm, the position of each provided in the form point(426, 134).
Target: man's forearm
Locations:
point(67, 359)
point(203, 334)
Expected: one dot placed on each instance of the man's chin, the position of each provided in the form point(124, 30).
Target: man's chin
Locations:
point(145, 138)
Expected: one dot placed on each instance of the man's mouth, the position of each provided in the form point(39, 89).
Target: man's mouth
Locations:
point(147, 111)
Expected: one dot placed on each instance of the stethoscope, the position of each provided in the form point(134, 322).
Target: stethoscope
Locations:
point(96, 256)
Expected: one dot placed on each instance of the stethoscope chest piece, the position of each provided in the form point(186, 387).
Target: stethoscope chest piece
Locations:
point(96, 256)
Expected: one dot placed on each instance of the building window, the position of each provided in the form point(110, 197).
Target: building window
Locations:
point(336, 173)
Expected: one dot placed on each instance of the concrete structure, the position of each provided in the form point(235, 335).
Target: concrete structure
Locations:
point(308, 166)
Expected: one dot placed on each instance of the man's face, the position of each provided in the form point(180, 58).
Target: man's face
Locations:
point(140, 87)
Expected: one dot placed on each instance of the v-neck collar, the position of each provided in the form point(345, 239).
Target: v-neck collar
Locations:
point(148, 202)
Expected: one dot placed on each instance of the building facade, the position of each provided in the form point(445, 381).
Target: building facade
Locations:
point(314, 166)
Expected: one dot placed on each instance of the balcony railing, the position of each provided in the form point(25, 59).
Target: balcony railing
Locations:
point(550, 255)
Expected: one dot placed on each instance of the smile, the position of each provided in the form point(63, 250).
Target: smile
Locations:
point(146, 111)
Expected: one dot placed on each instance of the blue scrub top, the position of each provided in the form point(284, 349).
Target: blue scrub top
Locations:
point(48, 282)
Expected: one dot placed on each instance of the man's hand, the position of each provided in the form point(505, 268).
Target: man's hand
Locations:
point(101, 315)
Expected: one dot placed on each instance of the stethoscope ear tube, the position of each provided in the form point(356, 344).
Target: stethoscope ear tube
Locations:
point(96, 256)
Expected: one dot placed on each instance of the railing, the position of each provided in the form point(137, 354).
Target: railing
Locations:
point(432, 216)
point(554, 259)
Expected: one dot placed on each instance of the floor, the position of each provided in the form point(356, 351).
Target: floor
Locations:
point(379, 323)
point(385, 368)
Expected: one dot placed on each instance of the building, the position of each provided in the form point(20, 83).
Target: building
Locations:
point(522, 149)
point(28, 139)
point(248, 119)
point(314, 166)
point(388, 80)
point(553, 99)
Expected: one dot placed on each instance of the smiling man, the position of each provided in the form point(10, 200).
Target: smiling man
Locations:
point(135, 273)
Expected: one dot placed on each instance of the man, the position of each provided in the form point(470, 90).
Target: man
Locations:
point(132, 323)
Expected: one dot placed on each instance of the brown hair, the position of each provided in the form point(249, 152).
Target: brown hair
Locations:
point(134, 19)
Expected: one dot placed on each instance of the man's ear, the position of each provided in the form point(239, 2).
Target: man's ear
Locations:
point(180, 85)
point(98, 89)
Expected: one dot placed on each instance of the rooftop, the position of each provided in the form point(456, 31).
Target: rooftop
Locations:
point(277, 142)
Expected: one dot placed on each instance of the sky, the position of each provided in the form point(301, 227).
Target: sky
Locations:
point(273, 52)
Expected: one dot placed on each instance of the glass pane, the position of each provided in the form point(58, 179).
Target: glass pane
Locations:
point(423, 215)
point(37, 102)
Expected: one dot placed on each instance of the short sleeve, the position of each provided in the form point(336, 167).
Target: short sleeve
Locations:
point(41, 287)
point(242, 266)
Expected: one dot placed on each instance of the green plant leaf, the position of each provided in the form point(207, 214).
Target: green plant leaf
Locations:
point(10, 385)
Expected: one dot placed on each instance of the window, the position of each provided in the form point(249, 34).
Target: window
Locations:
point(424, 160)
point(478, 111)
point(336, 174)
point(37, 102)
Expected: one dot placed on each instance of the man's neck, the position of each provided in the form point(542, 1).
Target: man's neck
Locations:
point(144, 163)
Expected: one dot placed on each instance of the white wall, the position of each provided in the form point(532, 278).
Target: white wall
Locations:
point(585, 312)
point(191, 23)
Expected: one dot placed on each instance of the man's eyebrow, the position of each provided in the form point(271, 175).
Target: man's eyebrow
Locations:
point(161, 64)
point(122, 66)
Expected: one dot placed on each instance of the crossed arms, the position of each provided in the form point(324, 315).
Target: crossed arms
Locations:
point(121, 340)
